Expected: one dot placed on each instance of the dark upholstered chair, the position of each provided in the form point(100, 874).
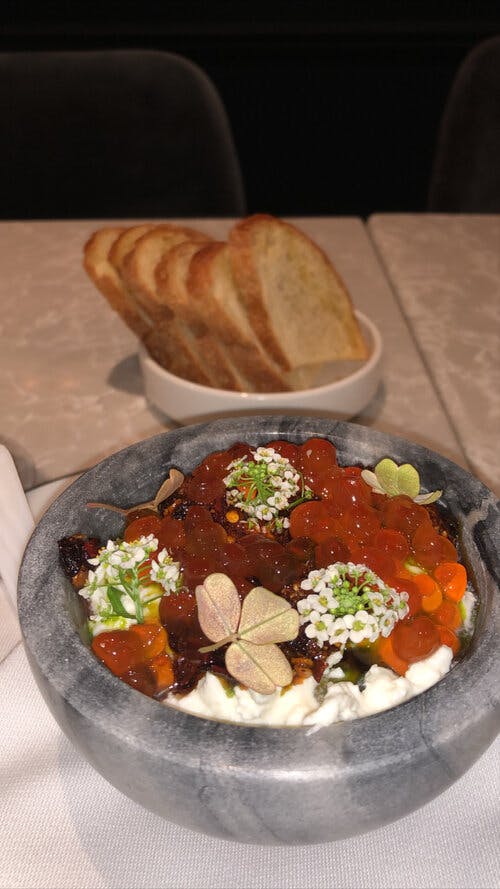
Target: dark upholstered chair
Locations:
point(466, 169)
point(113, 133)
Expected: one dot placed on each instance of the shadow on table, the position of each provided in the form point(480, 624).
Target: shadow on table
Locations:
point(126, 376)
point(23, 461)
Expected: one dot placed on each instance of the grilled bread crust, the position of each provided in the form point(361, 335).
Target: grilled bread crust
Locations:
point(265, 311)
point(296, 302)
point(211, 285)
point(171, 278)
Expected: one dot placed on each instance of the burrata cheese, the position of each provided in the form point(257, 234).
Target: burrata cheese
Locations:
point(298, 705)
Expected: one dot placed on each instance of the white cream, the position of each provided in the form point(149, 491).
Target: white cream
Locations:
point(298, 705)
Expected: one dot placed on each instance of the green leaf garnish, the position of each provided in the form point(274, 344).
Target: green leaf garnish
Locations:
point(392, 480)
point(115, 598)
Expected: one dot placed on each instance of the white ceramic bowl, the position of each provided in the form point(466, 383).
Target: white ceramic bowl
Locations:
point(343, 398)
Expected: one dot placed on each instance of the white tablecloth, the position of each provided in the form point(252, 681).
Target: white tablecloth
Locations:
point(64, 826)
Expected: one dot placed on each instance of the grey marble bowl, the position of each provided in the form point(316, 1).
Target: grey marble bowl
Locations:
point(258, 784)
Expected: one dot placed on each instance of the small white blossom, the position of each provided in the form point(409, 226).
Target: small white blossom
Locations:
point(315, 580)
point(166, 572)
point(115, 590)
point(339, 631)
point(387, 622)
point(362, 627)
point(319, 626)
point(361, 605)
point(378, 605)
point(265, 454)
point(264, 485)
point(305, 606)
point(334, 658)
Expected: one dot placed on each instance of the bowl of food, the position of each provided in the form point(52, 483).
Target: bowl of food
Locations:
point(260, 322)
point(270, 629)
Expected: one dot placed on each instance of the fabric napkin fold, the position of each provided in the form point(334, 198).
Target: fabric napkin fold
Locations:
point(10, 634)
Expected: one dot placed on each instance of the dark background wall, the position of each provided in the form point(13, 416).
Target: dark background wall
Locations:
point(334, 106)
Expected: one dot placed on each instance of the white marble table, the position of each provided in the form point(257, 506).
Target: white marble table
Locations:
point(70, 393)
point(445, 272)
point(70, 387)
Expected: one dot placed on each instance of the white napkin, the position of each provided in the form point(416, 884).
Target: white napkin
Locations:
point(10, 633)
point(16, 524)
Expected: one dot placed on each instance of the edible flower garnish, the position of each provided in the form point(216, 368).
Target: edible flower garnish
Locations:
point(125, 583)
point(349, 604)
point(250, 629)
point(265, 486)
point(391, 479)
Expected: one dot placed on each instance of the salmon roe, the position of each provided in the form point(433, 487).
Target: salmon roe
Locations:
point(342, 520)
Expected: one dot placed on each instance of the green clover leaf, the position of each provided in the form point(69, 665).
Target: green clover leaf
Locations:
point(391, 479)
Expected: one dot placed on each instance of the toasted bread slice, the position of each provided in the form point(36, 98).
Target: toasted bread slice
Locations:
point(295, 301)
point(119, 250)
point(171, 284)
point(211, 286)
point(171, 279)
point(124, 244)
point(105, 277)
point(166, 346)
point(138, 267)
point(171, 341)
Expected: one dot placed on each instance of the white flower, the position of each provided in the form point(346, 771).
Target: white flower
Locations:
point(386, 622)
point(319, 626)
point(305, 606)
point(362, 605)
point(327, 601)
point(334, 658)
point(265, 454)
point(263, 485)
point(166, 572)
point(339, 631)
point(364, 626)
point(98, 624)
point(377, 602)
point(314, 581)
point(400, 604)
point(114, 590)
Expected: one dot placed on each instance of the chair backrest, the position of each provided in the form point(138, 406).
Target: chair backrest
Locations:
point(113, 133)
point(466, 169)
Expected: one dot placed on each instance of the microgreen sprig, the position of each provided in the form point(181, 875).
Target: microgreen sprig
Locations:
point(125, 580)
point(265, 485)
point(349, 604)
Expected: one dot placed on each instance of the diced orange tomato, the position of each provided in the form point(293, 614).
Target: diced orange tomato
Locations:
point(122, 650)
point(387, 654)
point(449, 638)
point(163, 670)
point(415, 638)
point(432, 595)
point(404, 583)
point(141, 527)
point(452, 577)
point(448, 614)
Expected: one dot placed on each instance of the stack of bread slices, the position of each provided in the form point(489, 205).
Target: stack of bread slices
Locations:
point(264, 311)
